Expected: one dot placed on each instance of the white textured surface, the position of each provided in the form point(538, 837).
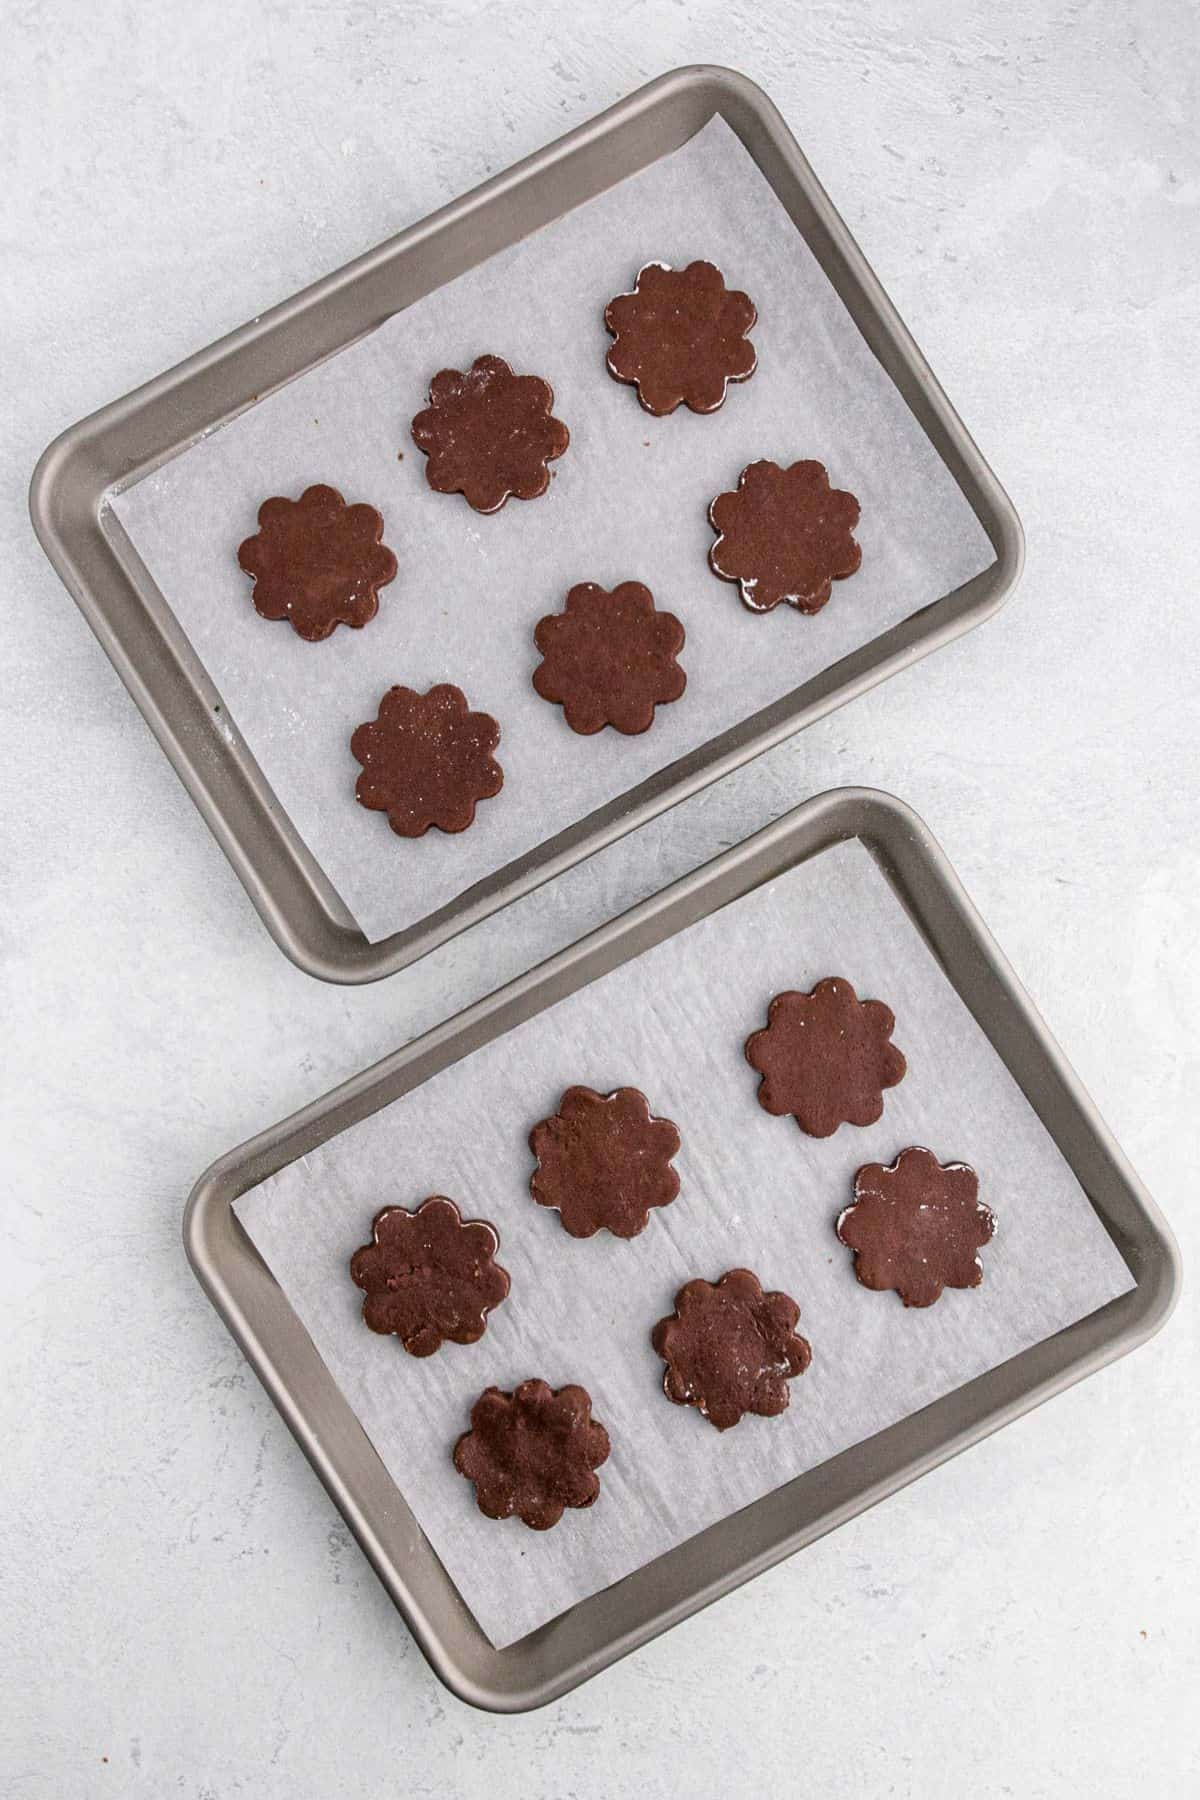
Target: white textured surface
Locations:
point(177, 1595)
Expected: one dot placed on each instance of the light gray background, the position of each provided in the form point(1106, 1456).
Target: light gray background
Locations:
point(178, 1596)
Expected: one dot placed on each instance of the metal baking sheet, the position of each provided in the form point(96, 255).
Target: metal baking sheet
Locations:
point(551, 1659)
point(124, 444)
point(630, 499)
point(672, 1022)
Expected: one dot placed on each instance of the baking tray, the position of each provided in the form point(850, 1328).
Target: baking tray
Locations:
point(569, 1649)
point(131, 437)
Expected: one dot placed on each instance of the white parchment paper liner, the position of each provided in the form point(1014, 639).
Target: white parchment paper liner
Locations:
point(629, 500)
point(755, 1192)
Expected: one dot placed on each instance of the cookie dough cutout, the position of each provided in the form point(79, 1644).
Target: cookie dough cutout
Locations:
point(533, 1453)
point(609, 658)
point(680, 337)
point(826, 1057)
point(784, 535)
point(604, 1162)
point(429, 1275)
point(489, 434)
point(427, 760)
point(317, 562)
point(917, 1227)
point(731, 1349)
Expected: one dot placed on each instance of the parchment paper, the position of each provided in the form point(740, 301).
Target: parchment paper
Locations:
point(629, 500)
point(755, 1191)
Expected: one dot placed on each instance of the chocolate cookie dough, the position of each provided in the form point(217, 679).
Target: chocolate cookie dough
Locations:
point(609, 658)
point(680, 337)
point(603, 1161)
point(917, 1226)
point(826, 1057)
point(533, 1452)
point(489, 433)
point(317, 562)
point(731, 1349)
point(429, 1275)
point(785, 534)
point(427, 759)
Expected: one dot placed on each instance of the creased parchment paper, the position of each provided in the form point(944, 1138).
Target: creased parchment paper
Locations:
point(629, 500)
point(755, 1192)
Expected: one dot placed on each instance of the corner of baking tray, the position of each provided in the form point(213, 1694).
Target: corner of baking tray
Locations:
point(1011, 548)
point(197, 1214)
point(718, 75)
point(1168, 1284)
point(877, 803)
point(64, 467)
point(1007, 535)
point(1160, 1277)
point(353, 963)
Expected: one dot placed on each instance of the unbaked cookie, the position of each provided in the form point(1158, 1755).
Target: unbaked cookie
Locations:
point(731, 1349)
point(427, 759)
point(489, 433)
point(609, 658)
point(826, 1057)
point(533, 1453)
point(680, 337)
point(917, 1226)
point(784, 535)
point(604, 1161)
point(429, 1275)
point(317, 562)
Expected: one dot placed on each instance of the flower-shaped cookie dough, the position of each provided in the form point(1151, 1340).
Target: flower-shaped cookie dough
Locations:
point(317, 562)
point(489, 433)
point(731, 1349)
point(426, 760)
point(609, 658)
point(917, 1226)
point(680, 337)
point(603, 1161)
point(429, 1275)
point(785, 534)
point(826, 1057)
point(533, 1452)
